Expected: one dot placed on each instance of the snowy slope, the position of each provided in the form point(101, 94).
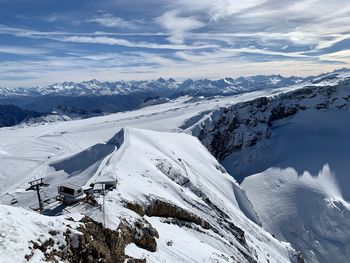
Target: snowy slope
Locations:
point(20, 230)
point(25, 151)
point(182, 192)
point(304, 196)
point(82, 152)
point(49, 150)
point(159, 174)
point(291, 151)
point(237, 127)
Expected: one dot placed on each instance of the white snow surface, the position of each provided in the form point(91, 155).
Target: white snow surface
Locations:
point(149, 166)
point(303, 194)
point(18, 227)
point(82, 152)
point(29, 149)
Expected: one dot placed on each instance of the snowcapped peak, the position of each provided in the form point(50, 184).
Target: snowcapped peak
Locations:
point(65, 83)
point(228, 80)
point(342, 70)
point(171, 87)
point(188, 82)
point(92, 81)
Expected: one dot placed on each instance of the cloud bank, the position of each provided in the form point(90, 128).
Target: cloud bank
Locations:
point(186, 38)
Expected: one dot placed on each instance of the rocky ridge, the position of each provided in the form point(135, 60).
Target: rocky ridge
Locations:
point(231, 129)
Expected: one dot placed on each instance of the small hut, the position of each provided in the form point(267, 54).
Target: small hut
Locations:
point(71, 193)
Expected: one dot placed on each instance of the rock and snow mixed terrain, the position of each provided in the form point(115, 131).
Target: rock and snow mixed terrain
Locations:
point(291, 151)
point(174, 202)
point(181, 195)
point(28, 235)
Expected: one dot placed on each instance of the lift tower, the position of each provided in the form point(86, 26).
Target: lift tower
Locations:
point(35, 185)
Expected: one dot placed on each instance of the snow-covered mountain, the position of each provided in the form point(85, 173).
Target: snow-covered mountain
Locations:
point(230, 129)
point(91, 98)
point(180, 202)
point(88, 97)
point(230, 86)
point(291, 151)
point(226, 86)
point(176, 199)
point(92, 88)
point(109, 97)
point(12, 115)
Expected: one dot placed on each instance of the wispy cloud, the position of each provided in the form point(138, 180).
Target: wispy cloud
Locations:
point(147, 66)
point(18, 50)
point(97, 38)
point(52, 18)
point(151, 38)
point(342, 56)
point(109, 20)
point(178, 26)
point(123, 42)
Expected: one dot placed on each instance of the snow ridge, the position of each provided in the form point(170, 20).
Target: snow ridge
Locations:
point(199, 211)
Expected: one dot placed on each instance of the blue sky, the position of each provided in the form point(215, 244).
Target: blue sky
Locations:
point(47, 41)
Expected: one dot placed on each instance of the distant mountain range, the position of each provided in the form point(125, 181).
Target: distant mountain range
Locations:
point(108, 97)
point(91, 98)
point(164, 87)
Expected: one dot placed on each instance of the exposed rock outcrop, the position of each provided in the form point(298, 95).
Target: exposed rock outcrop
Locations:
point(92, 242)
point(177, 215)
point(161, 208)
point(12, 115)
point(230, 129)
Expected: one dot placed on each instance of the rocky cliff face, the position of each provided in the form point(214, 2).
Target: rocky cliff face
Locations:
point(11, 115)
point(89, 241)
point(231, 129)
point(97, 243)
